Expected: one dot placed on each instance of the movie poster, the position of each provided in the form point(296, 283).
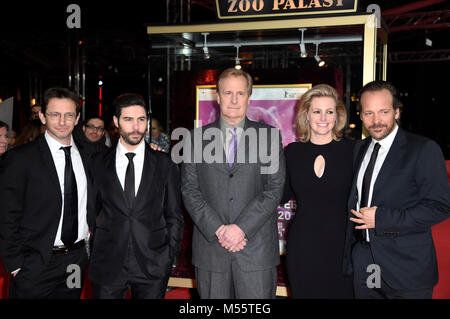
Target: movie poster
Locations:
point(275, 105)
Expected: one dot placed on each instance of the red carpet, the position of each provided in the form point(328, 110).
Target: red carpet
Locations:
point(441, 237)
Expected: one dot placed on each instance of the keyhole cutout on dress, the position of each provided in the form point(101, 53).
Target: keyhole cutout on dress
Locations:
point(319, 166)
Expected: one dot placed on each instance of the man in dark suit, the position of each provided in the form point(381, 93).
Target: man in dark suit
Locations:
point(233, 203)
point(136, 196)
point(43, 222)
point(399, 191)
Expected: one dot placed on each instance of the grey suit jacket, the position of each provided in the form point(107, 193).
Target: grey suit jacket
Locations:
point(215, 195)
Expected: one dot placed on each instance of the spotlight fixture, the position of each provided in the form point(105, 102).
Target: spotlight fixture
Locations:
point(303, 52)
point(207, 56)
point(320, 63)
point(238, 65)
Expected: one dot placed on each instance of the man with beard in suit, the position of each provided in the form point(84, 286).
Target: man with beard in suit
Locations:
point(136, 198)
point(399, 191)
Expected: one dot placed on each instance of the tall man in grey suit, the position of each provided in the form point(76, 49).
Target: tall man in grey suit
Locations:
point(233, 203)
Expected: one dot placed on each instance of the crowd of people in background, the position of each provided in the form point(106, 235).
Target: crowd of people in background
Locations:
point(92, 133)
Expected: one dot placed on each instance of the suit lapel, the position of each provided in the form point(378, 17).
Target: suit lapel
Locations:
point(242, 149)
point(49, 164)
point(360, 157)
point(353, 198)
point(83, 155)
point(148, 172)
point(112, 178)
point(394, 155)
point(223, 164)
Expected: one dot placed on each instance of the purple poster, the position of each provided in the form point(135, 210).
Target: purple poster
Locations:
point(274, 105)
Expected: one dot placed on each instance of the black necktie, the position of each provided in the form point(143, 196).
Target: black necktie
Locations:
point(365, 189)
point(129, 180)
point(69, 232)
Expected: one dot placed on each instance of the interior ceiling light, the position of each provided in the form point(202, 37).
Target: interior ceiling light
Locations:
point(207, 56)
point(237, 66)
point(320, 63)
point(303, 52)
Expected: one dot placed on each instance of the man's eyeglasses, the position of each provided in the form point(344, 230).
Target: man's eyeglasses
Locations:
point(57, 116)
point(95, 128)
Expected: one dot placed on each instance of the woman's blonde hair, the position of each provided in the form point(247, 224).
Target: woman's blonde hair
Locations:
point(301, 119)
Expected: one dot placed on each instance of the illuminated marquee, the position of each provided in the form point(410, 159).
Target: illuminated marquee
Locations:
point(231, 9)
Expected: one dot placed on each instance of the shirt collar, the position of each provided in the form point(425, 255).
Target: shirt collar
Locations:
point(139, 151)
point(225, 126)
point(54, 145)
point(386, 142)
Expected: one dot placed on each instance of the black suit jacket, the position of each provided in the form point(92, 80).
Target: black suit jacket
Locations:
point(31, 203)
point(155, 223)
point(412, 194)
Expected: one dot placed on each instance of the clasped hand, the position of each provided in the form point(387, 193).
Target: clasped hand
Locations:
point(231, 237)
point(365, 217)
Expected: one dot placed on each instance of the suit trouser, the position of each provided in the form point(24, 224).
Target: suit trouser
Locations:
point(53, 280)
point(362, 257)
point(236, 283)
point(131, 276)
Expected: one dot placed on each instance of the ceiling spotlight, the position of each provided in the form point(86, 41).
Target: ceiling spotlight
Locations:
point(320, 63)
point(206, 53)
point(207, 56)
point(238, 65)
point(303, 52)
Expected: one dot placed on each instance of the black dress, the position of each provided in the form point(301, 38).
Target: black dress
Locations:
point(315, 237)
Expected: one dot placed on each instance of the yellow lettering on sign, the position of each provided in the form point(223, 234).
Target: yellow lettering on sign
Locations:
point(255, 5)
point(327, 3)
point(301, 5)
point(289, 5)
point(244, 5)
point(235, 6)
point(232, 6)
point(277, 3)
point(315, 3)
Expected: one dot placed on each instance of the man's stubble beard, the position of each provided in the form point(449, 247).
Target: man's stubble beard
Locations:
point(129, 141)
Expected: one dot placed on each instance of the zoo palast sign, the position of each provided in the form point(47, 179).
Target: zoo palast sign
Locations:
point(233, 9)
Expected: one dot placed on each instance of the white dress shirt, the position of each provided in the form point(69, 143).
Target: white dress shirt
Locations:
point(59, 158)
point(385, 145)
point(225, 128)
point(122, 164)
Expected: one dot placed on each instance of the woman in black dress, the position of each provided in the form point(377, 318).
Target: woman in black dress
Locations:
point(319, 175)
